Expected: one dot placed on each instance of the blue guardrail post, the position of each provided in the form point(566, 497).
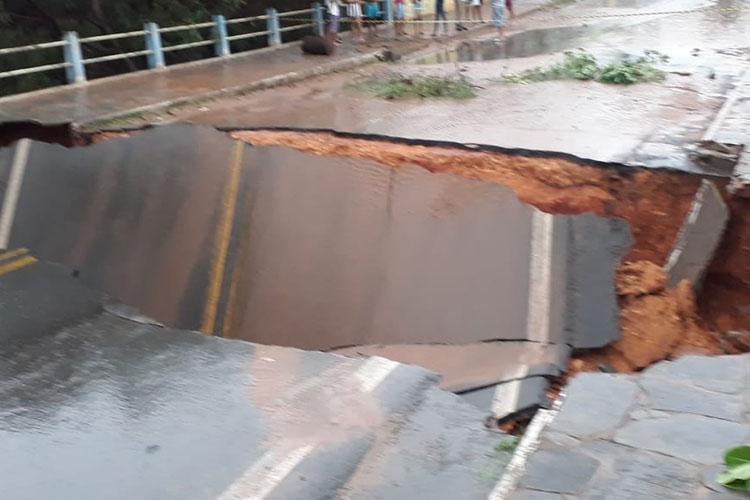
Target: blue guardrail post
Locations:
point(318, 23)
point(272, 23)
point(221, 44)
point(153, 43)
point(75, 71)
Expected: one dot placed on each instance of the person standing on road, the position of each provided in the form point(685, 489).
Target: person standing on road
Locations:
point(333, 14)
point(372, 18)
point(440, 18)
point(509, 8)
point(400, 18)
point(416, 6)
point(476, 11)
point(354, 11)
point(498, 14)
point(457, 4)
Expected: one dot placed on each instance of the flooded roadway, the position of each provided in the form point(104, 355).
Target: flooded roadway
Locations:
point(648, 124)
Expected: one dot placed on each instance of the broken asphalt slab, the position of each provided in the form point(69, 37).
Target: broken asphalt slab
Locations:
point(320, 252)
point(109, 401)
point(698, 238)
point(650, 435)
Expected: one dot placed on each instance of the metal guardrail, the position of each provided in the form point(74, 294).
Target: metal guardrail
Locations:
point(154, 49)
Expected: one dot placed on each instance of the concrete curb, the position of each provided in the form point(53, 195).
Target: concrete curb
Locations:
point(264, 83)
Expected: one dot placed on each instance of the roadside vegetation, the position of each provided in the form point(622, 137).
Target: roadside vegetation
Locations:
point(395, 86)
point(581, 65)
point(737, 476)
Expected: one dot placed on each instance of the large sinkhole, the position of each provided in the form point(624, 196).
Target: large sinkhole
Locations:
point(486, 266)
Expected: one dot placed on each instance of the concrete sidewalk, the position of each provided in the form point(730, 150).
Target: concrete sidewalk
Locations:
point(660, 434)
point(114, 96)
point(148, 91)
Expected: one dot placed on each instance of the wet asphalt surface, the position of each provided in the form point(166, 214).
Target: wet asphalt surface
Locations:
point(648, 124)
point(98, 403)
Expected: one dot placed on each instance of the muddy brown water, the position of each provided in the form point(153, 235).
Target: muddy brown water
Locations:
point(525, 44)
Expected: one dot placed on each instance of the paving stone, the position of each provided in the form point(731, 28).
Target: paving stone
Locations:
point(631, 489)
point(709, 475)
point(687, 399)
point(558, 439)
point(559, 471)
point(654, 469)
point(534, 495)
point(719, 374)
point(645, 413)
point(689, 437)
point(595, 405)
point(724, 495)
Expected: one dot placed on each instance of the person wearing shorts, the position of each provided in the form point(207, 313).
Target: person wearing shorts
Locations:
point(400, 17)
point(416, 6)
point(440, 16)
point(476, 11)
point(372, 17)
point(354, 12)
point(498, 14)
point(457, 5)
point(333, 16)
point(509, 8)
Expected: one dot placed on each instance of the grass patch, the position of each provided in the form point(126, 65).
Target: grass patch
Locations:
point(508, 445)
point(581, 65)
point(395, 86)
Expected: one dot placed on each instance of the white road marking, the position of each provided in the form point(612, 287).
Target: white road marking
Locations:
point(373, 372)
point(13, 190)
point(540, 277)
point(529, 443)
point(505, 400)
point(265, 475)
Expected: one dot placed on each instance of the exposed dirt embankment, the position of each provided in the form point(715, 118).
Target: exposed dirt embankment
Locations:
point(657, 323)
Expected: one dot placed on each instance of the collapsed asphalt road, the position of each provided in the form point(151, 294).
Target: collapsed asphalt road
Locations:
point(280, 247)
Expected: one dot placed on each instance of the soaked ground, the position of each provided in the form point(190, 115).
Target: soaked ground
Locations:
point(524, 44)
point(648, 124)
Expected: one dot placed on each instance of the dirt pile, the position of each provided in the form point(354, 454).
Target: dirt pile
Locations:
point(656, 323)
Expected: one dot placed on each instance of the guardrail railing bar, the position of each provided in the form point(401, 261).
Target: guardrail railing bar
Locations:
point(114, 36)
point(35, 69)
point(115, 57)
point(247, 35)
point(246, 19)
point(296, 27)
point(185, 27)
point(24, 48)
point(294, 12)
point(187, 45)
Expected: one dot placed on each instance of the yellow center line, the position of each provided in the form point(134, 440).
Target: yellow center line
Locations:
point(221, 243)
point(16, 264)
point(13, 254)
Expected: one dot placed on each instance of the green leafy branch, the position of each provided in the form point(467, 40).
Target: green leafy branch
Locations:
point(737, 476)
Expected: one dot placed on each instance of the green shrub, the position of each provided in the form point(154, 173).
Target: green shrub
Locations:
point(424, 87)
point(583, 66)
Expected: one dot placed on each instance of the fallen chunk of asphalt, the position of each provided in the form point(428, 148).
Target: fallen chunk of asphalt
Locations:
point(699, 237)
